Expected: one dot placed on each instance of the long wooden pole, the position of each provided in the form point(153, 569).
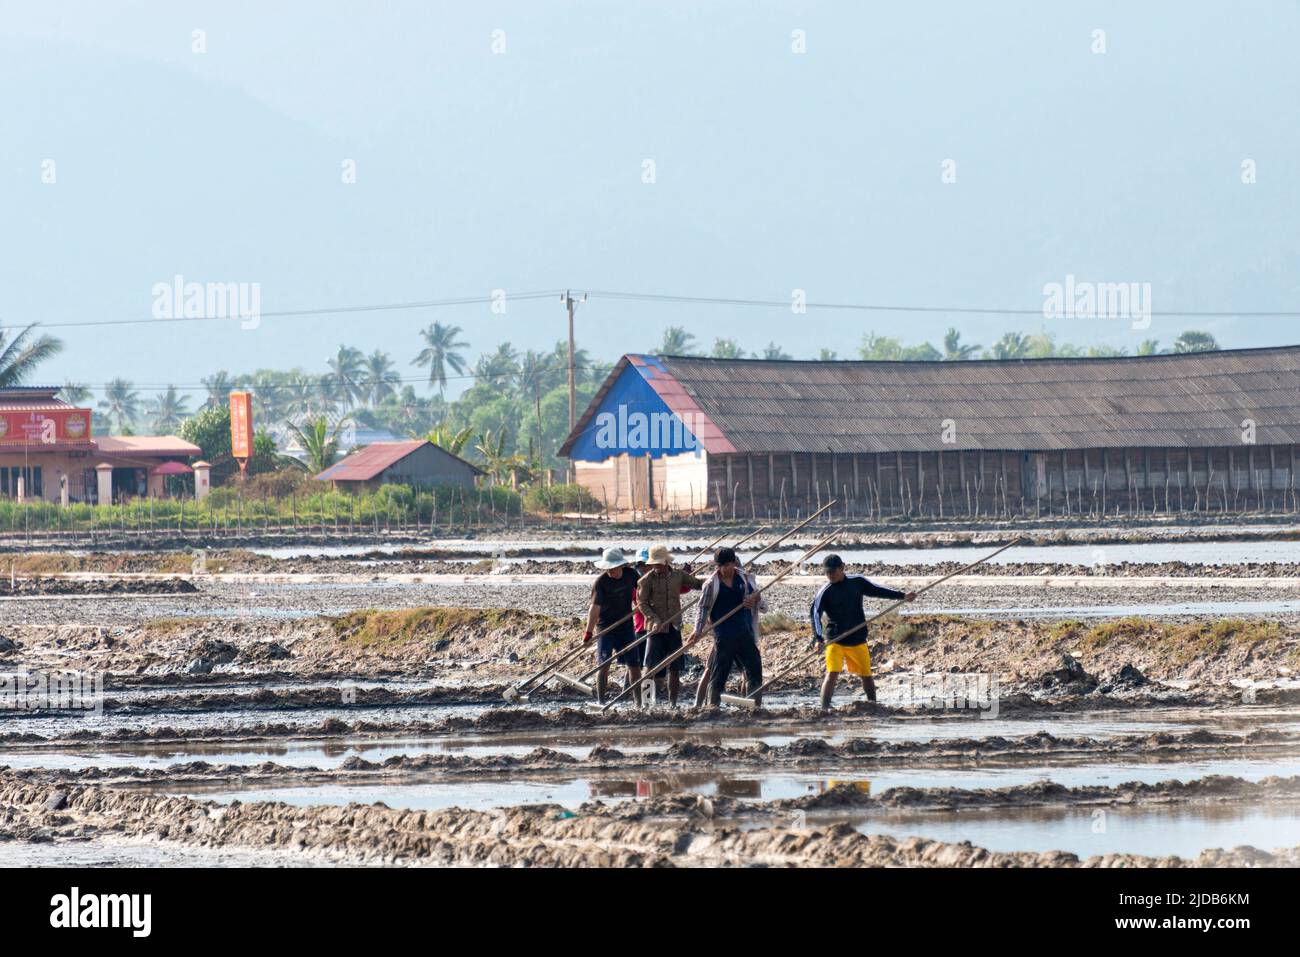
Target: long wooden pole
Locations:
point(888, 611)
point(691, 604)
point(640, 641)
point(705, 550)
point(649, 675)
point(515, 691)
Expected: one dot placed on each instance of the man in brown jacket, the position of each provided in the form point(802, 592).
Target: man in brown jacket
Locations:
point(659, 598)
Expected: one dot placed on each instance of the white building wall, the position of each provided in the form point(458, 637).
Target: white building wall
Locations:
point(676, 483)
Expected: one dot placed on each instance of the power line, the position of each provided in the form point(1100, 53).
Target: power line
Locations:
point(308, 313)
point(880, 307)
point(624, 296)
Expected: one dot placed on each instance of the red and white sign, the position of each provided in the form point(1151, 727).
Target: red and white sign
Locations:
point(45, 427)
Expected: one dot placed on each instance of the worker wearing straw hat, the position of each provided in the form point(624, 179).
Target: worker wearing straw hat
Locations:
point(612, 597)
point(659, 599)
point(840, 600)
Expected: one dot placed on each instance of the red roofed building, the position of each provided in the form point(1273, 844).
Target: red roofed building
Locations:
point(418, 463)
point(47, 451)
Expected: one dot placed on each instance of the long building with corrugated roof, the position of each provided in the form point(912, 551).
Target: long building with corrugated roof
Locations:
point(1207, 431)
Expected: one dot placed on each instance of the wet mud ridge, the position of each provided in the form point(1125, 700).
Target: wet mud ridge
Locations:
point(852, 756)
point(674, 832)
point(320, 679)
point(456, 646)
point(68, 587)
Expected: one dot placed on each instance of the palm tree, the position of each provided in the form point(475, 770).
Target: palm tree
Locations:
point(496, 369)
point(440, 353)
point(883, 348)
point(347, 376)
point(582, 364)
point(1041, 345)
point(493, 451)
point(773, 351)
point(1149, 347)
point(120, 403)
point(953, 350)
point(676, 342)
point(167, 409)
point(450, 440)
point(534, 375)
point(500, 465)
point(382, 379)
point(319, 441)
point(403, 413)
point(219, 386)
point(20, 355)
point(271, 390)
point(74, 393)
point(1194, 340)
point(1012, 345)
point(727, 349)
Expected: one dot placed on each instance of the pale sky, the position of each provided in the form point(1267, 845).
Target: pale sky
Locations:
point(523, 170)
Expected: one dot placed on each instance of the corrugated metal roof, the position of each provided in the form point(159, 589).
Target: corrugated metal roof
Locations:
point(365, 464)
point(32, 398)
point(145, 445)
point(370, 462)
point(49, 393)
point(1167, 401)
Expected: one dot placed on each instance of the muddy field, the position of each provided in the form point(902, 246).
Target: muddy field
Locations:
point(289, 707)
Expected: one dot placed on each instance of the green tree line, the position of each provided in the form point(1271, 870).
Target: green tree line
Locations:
point(510, 421)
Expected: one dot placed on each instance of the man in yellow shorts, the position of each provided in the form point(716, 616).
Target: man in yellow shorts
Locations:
point(840, 600)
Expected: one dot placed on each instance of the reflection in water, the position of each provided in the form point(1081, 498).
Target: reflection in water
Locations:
point(1154, 832)
point(710, 783)
point(700, 783)
point(863, 786)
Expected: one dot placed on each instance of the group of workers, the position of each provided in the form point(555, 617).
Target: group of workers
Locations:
point(636, 610)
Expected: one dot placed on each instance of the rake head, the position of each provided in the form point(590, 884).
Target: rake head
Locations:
point(739, 702)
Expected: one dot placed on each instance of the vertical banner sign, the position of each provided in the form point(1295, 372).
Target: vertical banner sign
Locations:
point(241, 428)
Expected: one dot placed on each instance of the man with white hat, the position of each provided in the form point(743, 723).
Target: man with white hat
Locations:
point(659, 598)
point(612, 598)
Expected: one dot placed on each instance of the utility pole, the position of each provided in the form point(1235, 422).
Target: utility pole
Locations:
point(569, 303)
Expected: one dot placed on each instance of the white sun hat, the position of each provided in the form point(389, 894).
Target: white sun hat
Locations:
point(611, 558)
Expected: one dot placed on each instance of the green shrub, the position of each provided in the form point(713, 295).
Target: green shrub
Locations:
point(553, 499)
point(282, 483)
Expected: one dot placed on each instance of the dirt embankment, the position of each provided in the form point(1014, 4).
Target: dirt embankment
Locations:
point(671, 831)
point(421, 642)
point(65, 587)
point(495, 646)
